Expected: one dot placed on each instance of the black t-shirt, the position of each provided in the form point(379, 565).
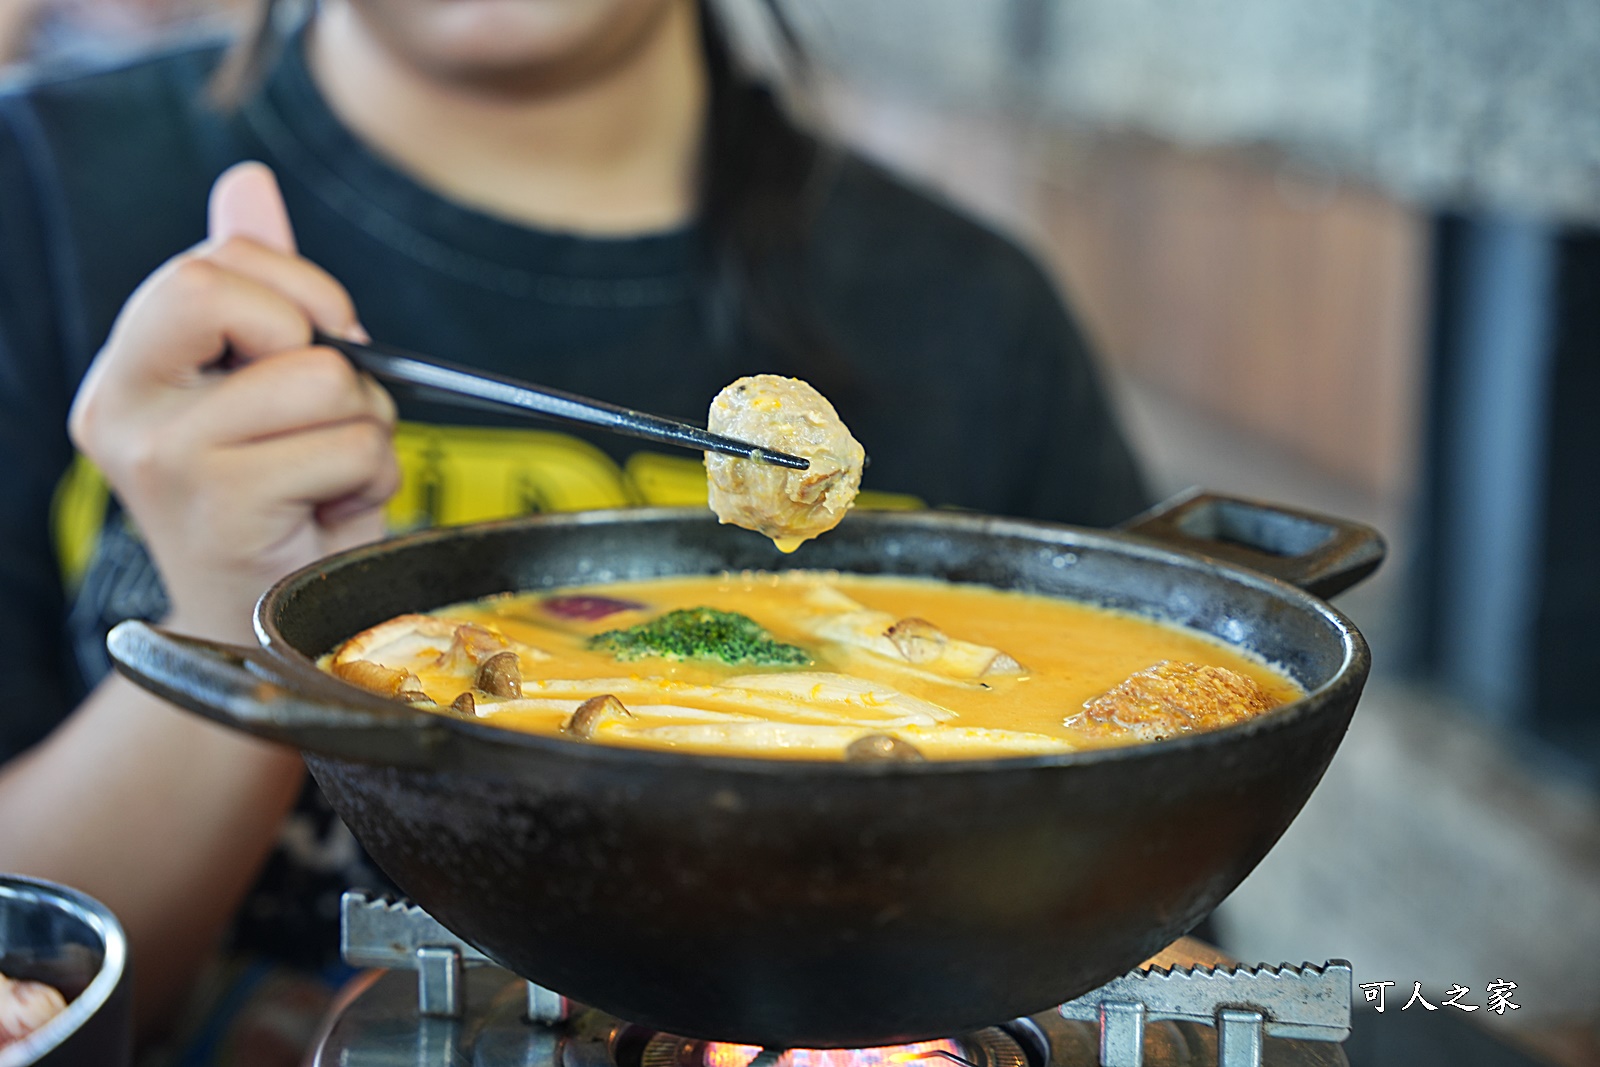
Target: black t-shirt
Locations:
point(953, 361)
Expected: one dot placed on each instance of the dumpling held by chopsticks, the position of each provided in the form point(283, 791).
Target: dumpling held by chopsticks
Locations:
point(785, 415)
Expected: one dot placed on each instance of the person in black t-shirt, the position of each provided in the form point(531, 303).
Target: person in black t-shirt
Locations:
point(585, 193)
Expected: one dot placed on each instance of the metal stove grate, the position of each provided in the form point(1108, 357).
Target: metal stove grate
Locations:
point(396, 934)
point(1244, 1004)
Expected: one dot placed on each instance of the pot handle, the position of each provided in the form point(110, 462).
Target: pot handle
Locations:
point(244, 688)
point(1320, 554)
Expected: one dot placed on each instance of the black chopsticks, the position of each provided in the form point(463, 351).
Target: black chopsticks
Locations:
point(390, 364)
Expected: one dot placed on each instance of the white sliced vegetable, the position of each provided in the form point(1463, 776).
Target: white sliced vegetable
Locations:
point(773, 736)
point(421, 643)
point(903, 642)
point(764, 736)
point(969, 737)
point(824, 687)
point(675, 713)
point(827, 598)
point(810, 696)
point(401, 642)
point(642, 712)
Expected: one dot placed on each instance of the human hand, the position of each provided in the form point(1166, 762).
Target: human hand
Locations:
point(237, 476)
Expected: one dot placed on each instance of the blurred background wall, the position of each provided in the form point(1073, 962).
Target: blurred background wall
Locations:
point(1340, 256)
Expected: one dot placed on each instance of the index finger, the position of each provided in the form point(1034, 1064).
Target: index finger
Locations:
point(316, 292)
point(184, 317)
point(249, 231)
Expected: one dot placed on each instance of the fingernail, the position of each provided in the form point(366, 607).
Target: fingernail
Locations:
point(358, 334)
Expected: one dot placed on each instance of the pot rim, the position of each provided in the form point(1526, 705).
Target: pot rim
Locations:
point(1351, 673)
point(113, 962)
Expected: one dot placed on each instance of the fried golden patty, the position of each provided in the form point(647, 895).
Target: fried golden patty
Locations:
point(1174, 698)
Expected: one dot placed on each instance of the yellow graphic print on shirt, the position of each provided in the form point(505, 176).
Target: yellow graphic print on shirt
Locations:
point(459, 474)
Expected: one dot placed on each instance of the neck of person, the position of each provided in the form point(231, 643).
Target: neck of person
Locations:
point(611, 152)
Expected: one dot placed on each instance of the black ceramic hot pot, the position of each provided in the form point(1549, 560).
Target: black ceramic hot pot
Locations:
point(793, 903)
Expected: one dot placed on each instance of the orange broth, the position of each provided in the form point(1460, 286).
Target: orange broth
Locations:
point(1070, 653)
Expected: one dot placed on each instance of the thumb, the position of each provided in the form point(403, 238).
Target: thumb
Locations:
point(245, 202)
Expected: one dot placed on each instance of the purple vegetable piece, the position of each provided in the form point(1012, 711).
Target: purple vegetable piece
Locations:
point(588, 608)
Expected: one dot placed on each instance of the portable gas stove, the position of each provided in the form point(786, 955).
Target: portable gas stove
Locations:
point(439, 1001)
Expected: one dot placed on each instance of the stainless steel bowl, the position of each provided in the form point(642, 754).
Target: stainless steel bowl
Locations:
point(52, 934)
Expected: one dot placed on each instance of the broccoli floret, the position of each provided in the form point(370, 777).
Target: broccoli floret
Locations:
point(702, 633)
